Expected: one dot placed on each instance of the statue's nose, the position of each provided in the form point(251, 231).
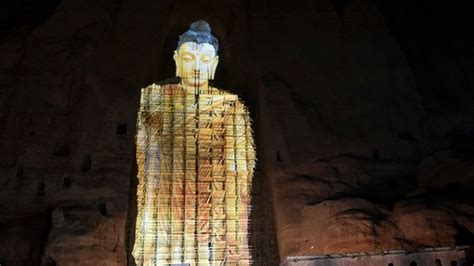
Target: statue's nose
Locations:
point(196, 72)
point(195, 67)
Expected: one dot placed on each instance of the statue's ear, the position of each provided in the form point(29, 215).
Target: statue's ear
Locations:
point(215, 62)
point(177, 63)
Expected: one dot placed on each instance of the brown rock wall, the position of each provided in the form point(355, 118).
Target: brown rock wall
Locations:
point(355, 154)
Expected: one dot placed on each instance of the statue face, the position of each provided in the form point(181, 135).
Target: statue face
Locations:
point(196, 63)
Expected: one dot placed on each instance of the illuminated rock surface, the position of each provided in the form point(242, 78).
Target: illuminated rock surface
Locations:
point(362, 115)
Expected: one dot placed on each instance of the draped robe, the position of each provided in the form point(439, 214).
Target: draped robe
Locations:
point(195, 156)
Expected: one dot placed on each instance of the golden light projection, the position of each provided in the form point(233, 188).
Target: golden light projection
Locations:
point(195, 156)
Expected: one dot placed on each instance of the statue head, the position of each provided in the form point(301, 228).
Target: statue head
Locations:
point(196, 55)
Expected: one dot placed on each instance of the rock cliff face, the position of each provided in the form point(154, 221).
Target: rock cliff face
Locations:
point(363, 114)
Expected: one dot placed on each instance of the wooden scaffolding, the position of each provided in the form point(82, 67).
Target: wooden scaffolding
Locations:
point(195, 156)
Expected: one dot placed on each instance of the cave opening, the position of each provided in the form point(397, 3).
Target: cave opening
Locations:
point(196, 199)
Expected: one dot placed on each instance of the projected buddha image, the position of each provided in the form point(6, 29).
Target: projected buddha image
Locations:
point(195, 156)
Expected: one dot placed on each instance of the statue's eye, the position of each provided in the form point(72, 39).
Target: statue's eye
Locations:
point(206, 59)
point(187, 57)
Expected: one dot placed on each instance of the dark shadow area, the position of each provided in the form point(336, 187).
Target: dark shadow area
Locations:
point(436, 39)
point(262, 238)
point(24, 15)
point(131, 213)
point(32, 231)
point(463, 237)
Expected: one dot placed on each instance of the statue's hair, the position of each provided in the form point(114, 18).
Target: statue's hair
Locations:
point(199, 32)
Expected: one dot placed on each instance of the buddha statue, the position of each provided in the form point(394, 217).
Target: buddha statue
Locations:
point(195, 156)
